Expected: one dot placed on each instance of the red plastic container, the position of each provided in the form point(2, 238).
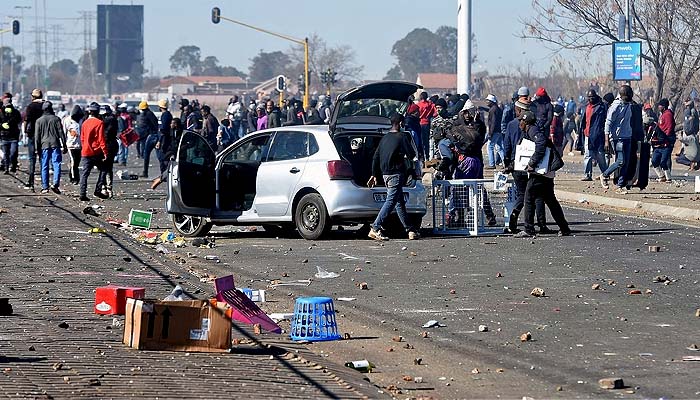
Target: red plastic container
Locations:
point(111, 300)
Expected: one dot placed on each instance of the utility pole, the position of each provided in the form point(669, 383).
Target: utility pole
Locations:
point(464, 45)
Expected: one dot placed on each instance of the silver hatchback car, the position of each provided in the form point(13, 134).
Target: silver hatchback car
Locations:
point(305, 178)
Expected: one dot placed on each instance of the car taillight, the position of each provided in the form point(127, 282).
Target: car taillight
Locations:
point(339, 169)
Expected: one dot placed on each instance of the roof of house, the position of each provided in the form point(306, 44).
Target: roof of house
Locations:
point(437, 80)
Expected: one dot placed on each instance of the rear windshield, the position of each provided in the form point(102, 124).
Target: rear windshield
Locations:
point(371, 107)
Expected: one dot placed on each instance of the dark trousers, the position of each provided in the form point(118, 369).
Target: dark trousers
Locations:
point(86, 166)
point(425, 141)
point(74, 170)
point(520, 179)
point(542, 187)
point(148, 148)
point(9, 162)
point(31, 152)
point(107, 173)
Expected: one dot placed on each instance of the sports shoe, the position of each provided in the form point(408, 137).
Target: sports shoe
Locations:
point(524, 234)
point(621, 190)
point(413, 235)
point(604, 182)
point(84, 198)
point(546, 231)
point(586, 179)
point(377, 234)
point(100, 195)
point(55, 189)
point(44, 191)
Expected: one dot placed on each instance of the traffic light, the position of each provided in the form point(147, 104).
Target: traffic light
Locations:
point(15, 27)
point(281, 84)
point(300, 82)
point(216, 15)
point(331, 77)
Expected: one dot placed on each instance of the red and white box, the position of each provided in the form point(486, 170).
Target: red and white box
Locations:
point(111, 300)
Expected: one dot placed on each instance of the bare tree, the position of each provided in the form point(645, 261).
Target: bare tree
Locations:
point(666, 28)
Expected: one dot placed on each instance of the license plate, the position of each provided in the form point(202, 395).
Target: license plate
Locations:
point(381, 197)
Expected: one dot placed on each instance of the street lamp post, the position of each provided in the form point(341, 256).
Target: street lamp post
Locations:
point(216, 17)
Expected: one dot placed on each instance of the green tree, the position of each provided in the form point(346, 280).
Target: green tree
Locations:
point(266, 66)
point(394, 74)
point(62, 75)
point(210, 66)
point(187, 59)
point(424, 51)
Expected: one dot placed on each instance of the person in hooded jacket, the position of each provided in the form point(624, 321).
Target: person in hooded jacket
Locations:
point(312, 115)
point(494, 147)
point(556, 130)
point(33, 112)
point(71, 126)
point(593, 129)
point(10, 120)
point(544, 111)
point(618, 138)
point(50, 142)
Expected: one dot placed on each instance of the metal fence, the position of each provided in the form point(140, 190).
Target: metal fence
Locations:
point(471, 206)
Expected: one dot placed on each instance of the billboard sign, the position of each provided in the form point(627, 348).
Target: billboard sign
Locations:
point(627, 61)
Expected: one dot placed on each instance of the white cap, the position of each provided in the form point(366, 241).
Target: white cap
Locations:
point(523, 91)
point(492, 98)
point(468, 105)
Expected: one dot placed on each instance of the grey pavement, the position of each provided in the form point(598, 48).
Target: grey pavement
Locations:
point(50, 268)
point(579, 334)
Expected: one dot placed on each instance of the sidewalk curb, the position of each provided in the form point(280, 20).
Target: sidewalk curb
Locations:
point(683, 213)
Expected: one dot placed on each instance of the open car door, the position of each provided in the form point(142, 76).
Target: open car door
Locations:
point(192, 179)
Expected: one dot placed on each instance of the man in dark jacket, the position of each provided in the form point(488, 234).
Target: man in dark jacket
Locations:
point(512, 137)
point(111, 128)
point(147, 127)
point(494, 146)
point(312, 115)
point(165, 138)
point(593, 129)
point(273, 115)
point(539, 186)
point(32, 113)
point(544, 111)
point(389, 161)
point(10, 120)
point(50, 141)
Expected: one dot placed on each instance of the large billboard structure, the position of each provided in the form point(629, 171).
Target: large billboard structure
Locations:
point(119, 41)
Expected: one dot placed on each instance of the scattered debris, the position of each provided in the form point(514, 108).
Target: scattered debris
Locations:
point(424, 334)
point(611, 383)
point(661, 279)
point(432, 324)
point(32, 348)
point(6, 307)
point(363, 286)
point(499, 275)
point(654, 249)
point(256, 329)
point(212, 258)
point(418, 379)
point(526, 337)
point(635, 291)
point(691, 358)
point(648, 291)
point(537, 292)
point(407, 378)
point(346, 298)
point(697, 313)
point(693, 347)
point(397, 338)
point(63, 325)
point(452, 291)
point(417, 361)
point(90, 211)
point(97, 230)
point(475, 371)
point(483, 328)
point(323, 274)
point(595, 286)
point(57, 366)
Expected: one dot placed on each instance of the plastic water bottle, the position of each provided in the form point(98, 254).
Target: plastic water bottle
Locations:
point(361, 366)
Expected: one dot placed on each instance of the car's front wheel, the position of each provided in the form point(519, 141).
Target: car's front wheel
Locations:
point(190, 226)
point(311, 217)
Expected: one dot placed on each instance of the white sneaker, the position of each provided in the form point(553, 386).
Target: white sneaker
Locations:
point(604, 182)
point(412, 235)
point(377, 234)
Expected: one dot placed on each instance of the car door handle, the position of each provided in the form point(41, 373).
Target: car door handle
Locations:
point(294, 170)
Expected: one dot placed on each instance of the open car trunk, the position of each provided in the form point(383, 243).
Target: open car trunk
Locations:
point(358, 149)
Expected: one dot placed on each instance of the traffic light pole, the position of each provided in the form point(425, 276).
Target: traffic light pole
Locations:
point(304, 43)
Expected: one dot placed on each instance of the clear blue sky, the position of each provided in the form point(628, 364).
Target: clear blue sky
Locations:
point(370, 26)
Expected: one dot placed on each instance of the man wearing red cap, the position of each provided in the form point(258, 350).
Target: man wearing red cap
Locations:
point(544, 111)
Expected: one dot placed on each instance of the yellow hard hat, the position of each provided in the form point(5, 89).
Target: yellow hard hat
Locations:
point(163, 103)
point(143, 105)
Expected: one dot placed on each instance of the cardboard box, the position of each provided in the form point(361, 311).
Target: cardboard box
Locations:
point(191, 325)
point(111, 300)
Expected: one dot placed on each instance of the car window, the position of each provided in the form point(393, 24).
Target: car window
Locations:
point(195, 150)
point(254, 149)
point(291, 146)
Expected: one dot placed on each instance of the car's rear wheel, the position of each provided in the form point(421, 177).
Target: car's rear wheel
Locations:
point(191, 226)
point(283, 230)
point(311, 217)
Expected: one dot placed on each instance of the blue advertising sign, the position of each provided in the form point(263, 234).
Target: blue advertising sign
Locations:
point(627, 61)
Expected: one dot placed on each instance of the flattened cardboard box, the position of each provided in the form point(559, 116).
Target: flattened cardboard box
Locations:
point(192, 325)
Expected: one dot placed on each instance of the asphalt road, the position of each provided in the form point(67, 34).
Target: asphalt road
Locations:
point(579, 334)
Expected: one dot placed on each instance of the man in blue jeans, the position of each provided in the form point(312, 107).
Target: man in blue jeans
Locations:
point(50, 143)
point(390, 161)
point(495, 139)
point(618, 130)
